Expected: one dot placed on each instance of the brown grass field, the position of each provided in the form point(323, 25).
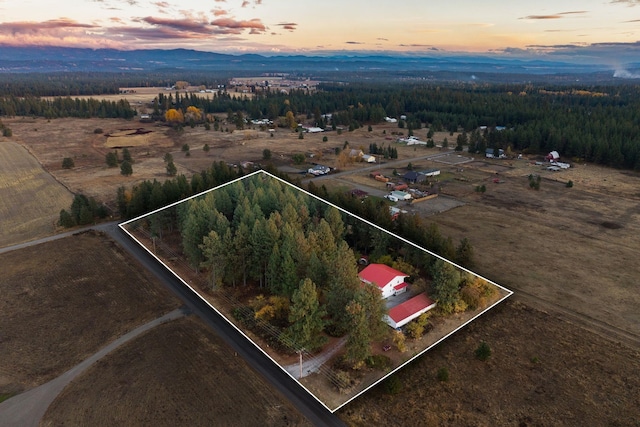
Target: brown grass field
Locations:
point(64, 300)
point(569, 253)
point(31, 199)
point(182, 374)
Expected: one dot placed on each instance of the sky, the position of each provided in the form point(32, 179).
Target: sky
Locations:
point(596, 31)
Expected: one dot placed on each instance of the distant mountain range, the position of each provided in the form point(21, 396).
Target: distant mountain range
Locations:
point(64, 59)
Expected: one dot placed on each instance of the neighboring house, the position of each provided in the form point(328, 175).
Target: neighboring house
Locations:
point(368, 158)
point(319, 170)
point(430, 172)
point(355, 153)
point(390, 120)
point(400, 195)
point(491, 153)
point(313, 129)
point(389, 280)
point(413, 177)
point(404, 313)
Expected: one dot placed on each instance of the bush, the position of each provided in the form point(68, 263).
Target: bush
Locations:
point(569, 184)
point(67, 163)
point(483, 352)
point(266, 154)
point(298, 159)
point(443, 375)
point(392, 385)
point(301, 135)
point(7, 132)
point(378, 361)
point(97, 130)
point(112, 159)
point(325, 139)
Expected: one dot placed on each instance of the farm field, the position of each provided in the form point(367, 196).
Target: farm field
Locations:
point(31, 198)
point(179, 373)
point(64, 300)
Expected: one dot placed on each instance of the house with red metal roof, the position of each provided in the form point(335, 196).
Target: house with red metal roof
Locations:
point(404, 313)
point(389, 280)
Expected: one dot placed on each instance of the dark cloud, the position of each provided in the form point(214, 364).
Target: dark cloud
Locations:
point(34, 27)
point(179, 24)
point(156, 33)
point(554, 16)
point(554, 46)
point(633, 20)
point(352, 42)
point(291, 26)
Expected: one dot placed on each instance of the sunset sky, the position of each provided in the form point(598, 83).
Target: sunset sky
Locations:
point(603, 30)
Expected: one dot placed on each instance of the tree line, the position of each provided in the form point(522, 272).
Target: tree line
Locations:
point(65, 107)
point(599, 124)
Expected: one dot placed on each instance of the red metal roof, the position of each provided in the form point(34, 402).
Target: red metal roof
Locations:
point(380, 274)
point(400, 286)
point(410, 307)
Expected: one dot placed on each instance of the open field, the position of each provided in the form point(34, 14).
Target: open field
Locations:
point(565, 250)
point(31, 199)
point(64, 300)
point(543, 371)
point(179, 373)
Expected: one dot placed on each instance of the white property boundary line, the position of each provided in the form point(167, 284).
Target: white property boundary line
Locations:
point(508, 291)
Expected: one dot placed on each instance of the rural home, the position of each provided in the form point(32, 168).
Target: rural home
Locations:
point(413, 177)
point(389, 280)
point(430, 172)
point(368, 158)
point(354, 153)
point(491, 153)
point(405, 312)
point(400, 195)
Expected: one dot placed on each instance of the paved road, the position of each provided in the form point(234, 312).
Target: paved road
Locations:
point(306, 404)
point(27, 409)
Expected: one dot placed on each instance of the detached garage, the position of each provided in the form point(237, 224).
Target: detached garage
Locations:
point(404, 313)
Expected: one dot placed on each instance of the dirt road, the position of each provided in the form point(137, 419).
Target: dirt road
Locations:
point(26, 409)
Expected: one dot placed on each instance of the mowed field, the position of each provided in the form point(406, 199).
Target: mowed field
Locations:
point(30, 198)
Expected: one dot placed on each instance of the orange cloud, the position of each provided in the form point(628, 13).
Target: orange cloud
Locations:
point(253, 24)
point(219, 12)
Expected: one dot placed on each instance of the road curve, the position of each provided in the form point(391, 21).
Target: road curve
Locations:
point(306, 404)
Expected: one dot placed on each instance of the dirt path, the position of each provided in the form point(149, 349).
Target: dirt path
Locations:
point(27, 409)
point(314, 363)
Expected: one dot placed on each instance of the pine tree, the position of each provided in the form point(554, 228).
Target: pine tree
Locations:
point(305, 316)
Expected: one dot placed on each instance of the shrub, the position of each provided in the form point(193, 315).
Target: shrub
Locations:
point(392, 385)
point(399, 340)
point(185, 148)
point(6, 132)
point(97, 130)
point(569, 184)
point(67, 163)
point(301, 135)
point(378, 361)
point(112, 159)
point(298, 158)
point(325, 139)
point(483, 352)
point(266, 154)
point(443, 375)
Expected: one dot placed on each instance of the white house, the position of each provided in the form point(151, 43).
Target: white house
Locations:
point(390, 281)
point(404, 313)
point(368, 158)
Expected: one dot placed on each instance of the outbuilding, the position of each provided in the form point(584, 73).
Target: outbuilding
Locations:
point(405, 312)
